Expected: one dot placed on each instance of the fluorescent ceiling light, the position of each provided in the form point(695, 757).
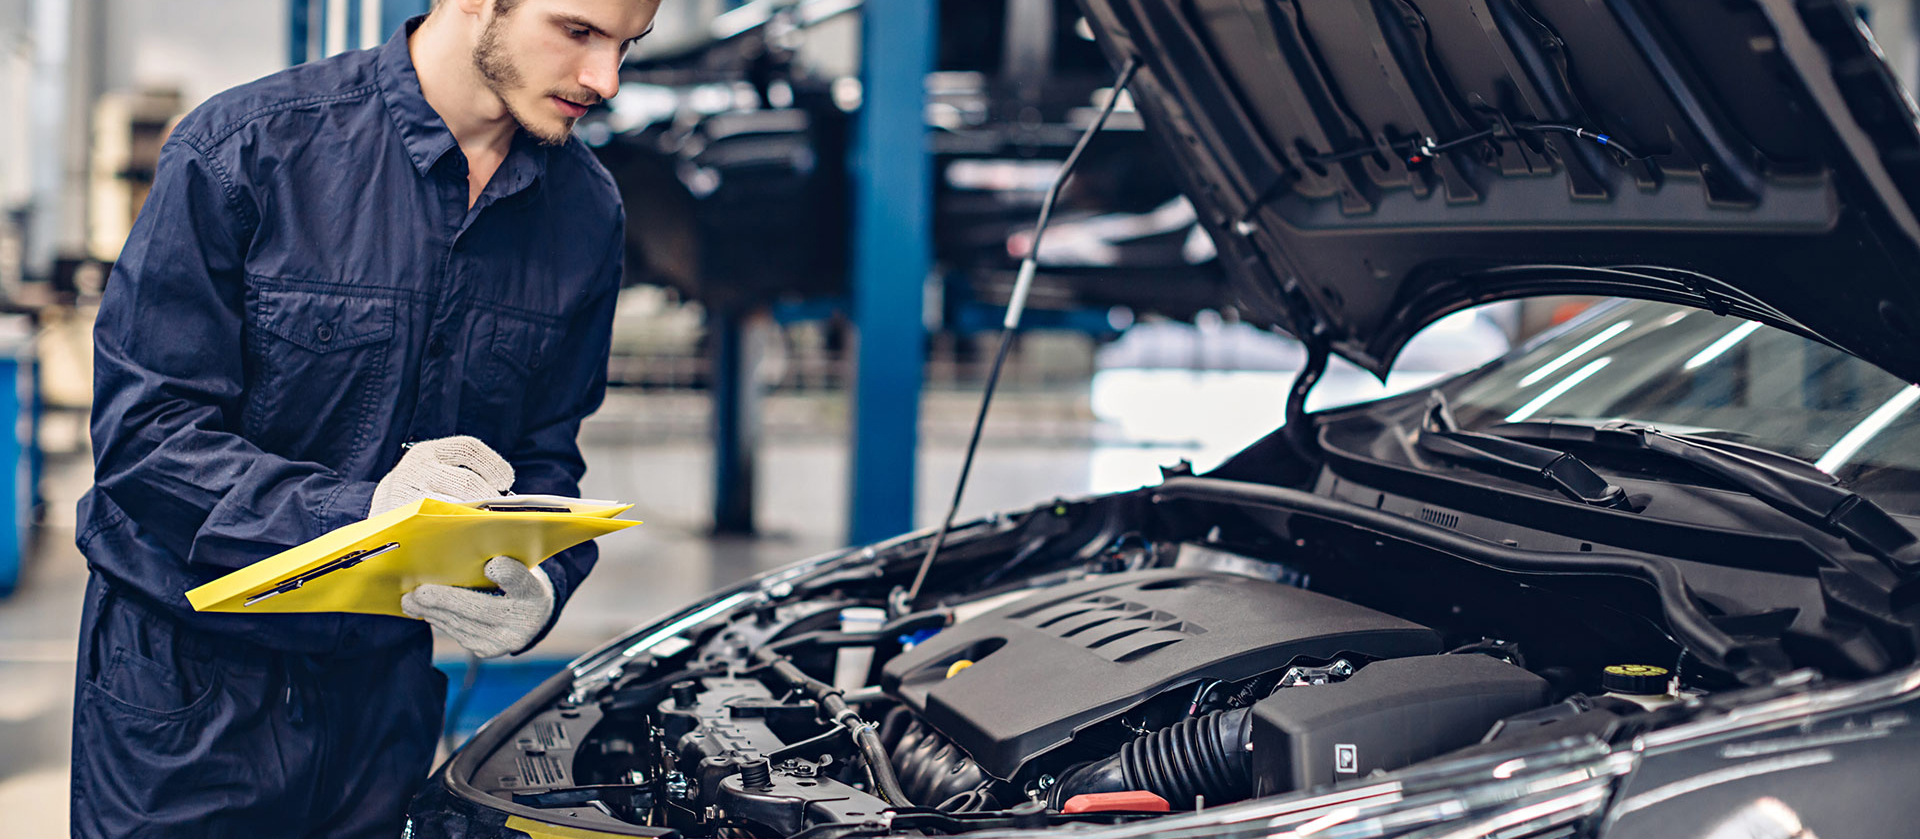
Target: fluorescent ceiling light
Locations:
point(1559, 388)
point(1876, 422)
point(1567, 357)
point(1720, 347)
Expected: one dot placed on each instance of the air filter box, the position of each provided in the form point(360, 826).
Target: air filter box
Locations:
point(1388, 715)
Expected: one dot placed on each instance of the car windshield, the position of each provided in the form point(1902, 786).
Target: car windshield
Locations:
point(1686, 370)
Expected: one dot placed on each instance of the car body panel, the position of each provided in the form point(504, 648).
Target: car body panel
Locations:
point(1770, 175)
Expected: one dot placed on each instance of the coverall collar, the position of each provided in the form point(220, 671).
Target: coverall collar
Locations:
point(426, 135)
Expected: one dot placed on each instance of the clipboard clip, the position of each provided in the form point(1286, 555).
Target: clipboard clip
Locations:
point(340, 563)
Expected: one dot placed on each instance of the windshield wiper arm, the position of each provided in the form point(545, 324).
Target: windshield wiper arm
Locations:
point(1825, 505)
point(1441, 435)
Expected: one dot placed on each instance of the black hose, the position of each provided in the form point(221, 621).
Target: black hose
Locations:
point(1299, 425)
point(885, 638)
point(835, 708)
point(893, 726)
point(875, 756)
point(1197, 756)
point(644, 696)
point(1583, 133)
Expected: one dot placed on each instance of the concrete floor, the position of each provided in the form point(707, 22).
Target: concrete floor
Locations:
point(1029, 456)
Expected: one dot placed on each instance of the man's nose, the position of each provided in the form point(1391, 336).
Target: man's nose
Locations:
point(602, 75)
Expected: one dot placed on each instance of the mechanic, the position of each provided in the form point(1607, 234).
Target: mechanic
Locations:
point(393, 245)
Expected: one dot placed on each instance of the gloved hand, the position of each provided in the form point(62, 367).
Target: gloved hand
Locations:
point(449, 469)
point(488, 624)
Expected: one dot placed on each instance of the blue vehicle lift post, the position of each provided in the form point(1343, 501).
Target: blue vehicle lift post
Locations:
point(19, 456)
point(369, 24)
point(892, 254)
point(735, 391)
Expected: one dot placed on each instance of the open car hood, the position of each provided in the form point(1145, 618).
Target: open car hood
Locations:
point(1368, 166)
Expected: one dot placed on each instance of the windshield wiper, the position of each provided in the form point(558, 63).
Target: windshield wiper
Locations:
point(1441, 435)
point(1824, 504)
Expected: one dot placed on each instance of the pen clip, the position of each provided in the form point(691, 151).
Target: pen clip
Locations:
point(339, 563)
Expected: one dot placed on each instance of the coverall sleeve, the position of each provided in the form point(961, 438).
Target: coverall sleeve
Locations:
point(168, 381)
point(547, 458)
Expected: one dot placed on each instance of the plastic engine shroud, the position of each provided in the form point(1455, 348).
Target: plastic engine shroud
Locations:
point(1072, 656)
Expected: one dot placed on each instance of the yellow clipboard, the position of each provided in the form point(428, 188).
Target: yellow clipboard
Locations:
point(365, 566)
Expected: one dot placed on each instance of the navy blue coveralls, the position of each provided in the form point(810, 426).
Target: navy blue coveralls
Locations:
point(305, 291)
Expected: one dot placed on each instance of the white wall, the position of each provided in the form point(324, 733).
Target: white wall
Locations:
point(56, 56)
point(16, 70)
point(200, 47)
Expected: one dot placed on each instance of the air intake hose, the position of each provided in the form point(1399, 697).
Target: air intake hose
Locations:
point(1197, 756)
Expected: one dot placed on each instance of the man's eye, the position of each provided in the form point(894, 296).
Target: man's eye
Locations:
point(576, 33)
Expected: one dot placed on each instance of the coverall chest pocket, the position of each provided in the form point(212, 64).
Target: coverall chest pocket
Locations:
point(507, 356)
point(318, 367)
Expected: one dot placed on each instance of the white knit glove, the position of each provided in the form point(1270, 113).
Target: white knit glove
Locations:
point(487, 623)
point(449, 469)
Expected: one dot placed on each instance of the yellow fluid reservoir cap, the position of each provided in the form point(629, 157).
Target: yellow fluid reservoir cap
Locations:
point(1635, 679)
point(955, 668)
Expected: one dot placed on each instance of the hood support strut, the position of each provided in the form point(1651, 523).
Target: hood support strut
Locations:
point(1299, 424)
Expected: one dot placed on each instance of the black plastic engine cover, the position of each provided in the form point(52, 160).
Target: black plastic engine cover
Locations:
point(1068, 657)
point(1388, 715)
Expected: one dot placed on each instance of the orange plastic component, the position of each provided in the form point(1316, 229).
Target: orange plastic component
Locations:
point(1131, 801)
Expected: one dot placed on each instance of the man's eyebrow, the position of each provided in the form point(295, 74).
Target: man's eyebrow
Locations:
point(582, 23)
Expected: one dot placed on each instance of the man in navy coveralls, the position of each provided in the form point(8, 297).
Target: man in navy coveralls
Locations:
point(357, 282)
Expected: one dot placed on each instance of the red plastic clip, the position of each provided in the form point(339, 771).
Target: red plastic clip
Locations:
point(1131, 801)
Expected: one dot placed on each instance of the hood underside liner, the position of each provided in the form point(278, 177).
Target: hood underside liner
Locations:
point(1368, 167)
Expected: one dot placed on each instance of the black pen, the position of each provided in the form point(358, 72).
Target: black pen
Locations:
point(346, 561)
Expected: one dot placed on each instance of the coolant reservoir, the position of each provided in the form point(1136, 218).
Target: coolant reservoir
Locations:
point(851, 664)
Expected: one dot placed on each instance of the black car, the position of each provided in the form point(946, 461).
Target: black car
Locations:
point(1655, 574)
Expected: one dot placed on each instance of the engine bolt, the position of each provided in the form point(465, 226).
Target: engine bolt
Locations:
point(755, 773)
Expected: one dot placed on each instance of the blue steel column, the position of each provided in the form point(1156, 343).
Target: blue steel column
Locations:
point(304, 17)
point(736, 421)
point(893, 218)
point(297, 17)
point(15, 490)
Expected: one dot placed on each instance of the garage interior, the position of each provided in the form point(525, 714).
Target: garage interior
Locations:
point(828, 202)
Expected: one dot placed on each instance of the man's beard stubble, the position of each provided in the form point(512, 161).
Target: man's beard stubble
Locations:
point(502, 77)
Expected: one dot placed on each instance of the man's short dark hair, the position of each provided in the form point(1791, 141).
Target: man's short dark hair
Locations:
point(500, 7)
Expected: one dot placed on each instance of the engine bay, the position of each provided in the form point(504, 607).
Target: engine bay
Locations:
point(1069, 666)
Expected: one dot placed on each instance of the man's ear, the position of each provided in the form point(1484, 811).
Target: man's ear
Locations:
point(471, 7)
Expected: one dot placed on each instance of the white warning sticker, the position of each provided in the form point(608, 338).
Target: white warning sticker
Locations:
point(1346, 759)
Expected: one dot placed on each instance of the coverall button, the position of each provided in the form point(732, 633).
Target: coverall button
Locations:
point(325, 331)
point(437, 346)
